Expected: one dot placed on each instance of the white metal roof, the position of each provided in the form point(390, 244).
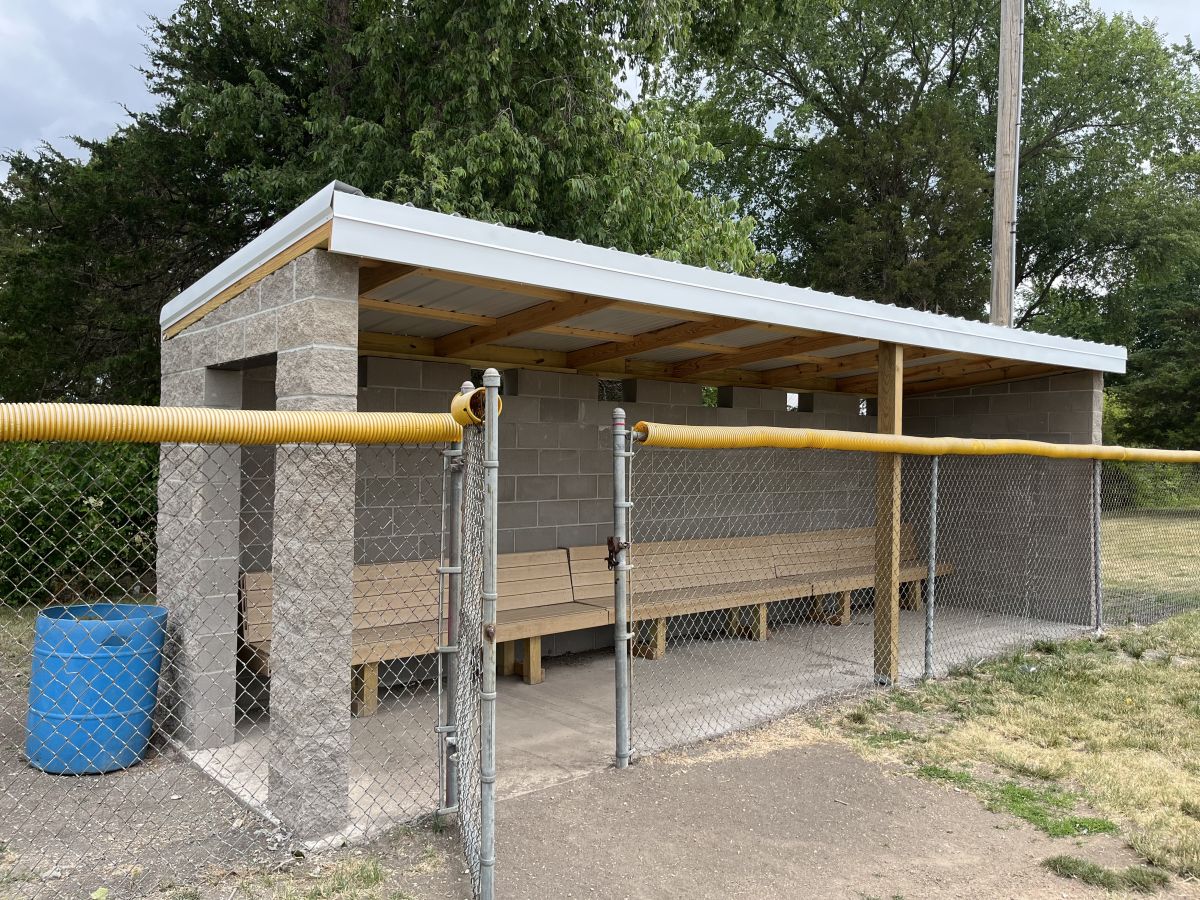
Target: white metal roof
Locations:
point(377, 229)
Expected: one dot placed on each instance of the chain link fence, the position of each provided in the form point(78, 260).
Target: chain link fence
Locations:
point(754, 571)
point(214, 653)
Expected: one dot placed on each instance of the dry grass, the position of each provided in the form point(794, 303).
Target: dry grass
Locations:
point(1113, 722)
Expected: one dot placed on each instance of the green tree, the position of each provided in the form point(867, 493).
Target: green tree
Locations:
point(862, 138)
point(503, 112)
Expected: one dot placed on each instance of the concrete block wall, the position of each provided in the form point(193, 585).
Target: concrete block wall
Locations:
point(1018, 530)
point(304, 319)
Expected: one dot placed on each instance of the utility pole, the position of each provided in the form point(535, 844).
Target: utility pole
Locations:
point(1008, 146)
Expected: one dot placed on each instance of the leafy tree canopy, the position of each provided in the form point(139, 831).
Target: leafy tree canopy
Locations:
point(862, 138)
point(496, 111)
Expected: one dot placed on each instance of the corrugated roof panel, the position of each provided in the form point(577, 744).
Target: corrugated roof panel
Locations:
point(536, 341)
point(623, 321)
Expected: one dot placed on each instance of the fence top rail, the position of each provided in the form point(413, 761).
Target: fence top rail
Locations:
point(204, 425)
point(721, 437)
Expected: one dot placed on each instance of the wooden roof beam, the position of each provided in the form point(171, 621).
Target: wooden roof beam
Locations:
point(1014, 372)
point(796, 345)
point(551, 312)
point(933, 370)
point(669, 336)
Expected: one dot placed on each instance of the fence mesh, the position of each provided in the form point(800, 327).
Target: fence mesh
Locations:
point(297, 683)
point(754, 571)
point(470, 652)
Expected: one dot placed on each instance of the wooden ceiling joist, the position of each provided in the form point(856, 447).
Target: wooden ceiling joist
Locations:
point(1011, 372)
point(551, 312)
point(669, 336)
point(376, 277)
point(797, 345)
point(938, 371)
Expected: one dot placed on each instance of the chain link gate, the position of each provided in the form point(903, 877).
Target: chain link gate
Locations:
point(748, 570)
point(176, 617)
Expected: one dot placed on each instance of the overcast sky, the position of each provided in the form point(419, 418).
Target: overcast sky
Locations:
point(68, 66)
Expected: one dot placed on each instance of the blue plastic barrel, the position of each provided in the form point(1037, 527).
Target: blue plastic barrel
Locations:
point(95, 682)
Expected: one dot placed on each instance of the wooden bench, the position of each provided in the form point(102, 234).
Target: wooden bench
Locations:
point(396, 615)
point(744, 575)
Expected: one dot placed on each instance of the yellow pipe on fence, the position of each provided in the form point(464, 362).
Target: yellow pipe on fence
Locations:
point(204, 425)
point(718, 437)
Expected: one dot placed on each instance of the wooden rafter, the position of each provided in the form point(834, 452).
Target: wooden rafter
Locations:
point(653, 340)
point(376, 277)
point(551, 312)
point(1014, 372)
point(932, 370)
point(869, 358)
point(796, 345)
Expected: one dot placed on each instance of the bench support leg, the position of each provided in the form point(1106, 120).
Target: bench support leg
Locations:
point(758, 630)
point(506, 658)
point(911, 596)
point(364, 689)
point(656, 647)
point(531, 665)
point(842, 616)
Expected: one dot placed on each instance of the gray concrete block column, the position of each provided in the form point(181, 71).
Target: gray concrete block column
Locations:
point(197, 571)
point(313, 555)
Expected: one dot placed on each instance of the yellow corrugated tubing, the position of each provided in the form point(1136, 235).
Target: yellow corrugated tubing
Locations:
point(716, 437)
point(203, 425)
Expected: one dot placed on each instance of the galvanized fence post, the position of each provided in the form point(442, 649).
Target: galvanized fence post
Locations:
point(931, 575)
point(487, 689)
point(1097, 583)
point(619, 561)
point(448, 654)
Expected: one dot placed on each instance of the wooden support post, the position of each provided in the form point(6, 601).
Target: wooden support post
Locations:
point(656, 647)
point(531, 665)
point(364, 689)
point(758, 630)
point(842, 616)
point(887, 518)
point(506, 657)
point(912, 596)
point(735, 622)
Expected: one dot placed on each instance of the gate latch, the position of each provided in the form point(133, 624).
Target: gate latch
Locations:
point(614, 550)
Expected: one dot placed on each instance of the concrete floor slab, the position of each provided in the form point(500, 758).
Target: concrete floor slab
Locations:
point(563, 729)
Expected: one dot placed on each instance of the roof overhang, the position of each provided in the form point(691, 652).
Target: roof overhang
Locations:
point(529, 270)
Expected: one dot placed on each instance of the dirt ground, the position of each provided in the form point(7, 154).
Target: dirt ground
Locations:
point(789, 816)
point(780, 812)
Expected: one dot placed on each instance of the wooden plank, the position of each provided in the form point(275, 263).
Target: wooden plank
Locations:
point(506, 658)
point(778, 349)
point(531, 665)
point(460, 343)
point(372, 278)
point(1009, 373)
point(656, 647)
point(372, 343)
point(317, 238)
point(887, 518)
point(364, 689)
point(654, 340)
point(514, 625)
point(842, 615)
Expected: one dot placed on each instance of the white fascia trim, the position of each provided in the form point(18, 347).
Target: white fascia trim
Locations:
point(392, 232)
point(311, 214)
point(388, 231)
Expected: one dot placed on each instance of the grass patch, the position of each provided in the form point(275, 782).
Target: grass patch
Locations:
point(1138, 879)
point(1047, 809)
point(1110, 723)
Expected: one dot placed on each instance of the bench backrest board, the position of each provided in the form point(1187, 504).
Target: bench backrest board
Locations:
point(404, 593)
point(842, 550)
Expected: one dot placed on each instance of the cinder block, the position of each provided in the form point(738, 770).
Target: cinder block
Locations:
point(1028, 385)
point(643, 390)
point(579, 387)
point(527, 540)
point(577, 487)
point(538, 435)
point(184, 388)
point(517, 515)
point(732, 417)
point(844, 404)
point(317, 372)
point(447, 377)
point(1073, 381)
point(520, 410)
point(318, 320)
point(532, 383)
point(701, 415)
point(506, 488)
point(598, 510)
point(555, 409)
point(520, 462)
point(685, 394)
point(578, 536)
point(277, 289)
point(399, 373)
point(558, 512)
point(578, 437)
point(537, 487)
point(376, 399)
point(319, 273)
point(558, 462)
